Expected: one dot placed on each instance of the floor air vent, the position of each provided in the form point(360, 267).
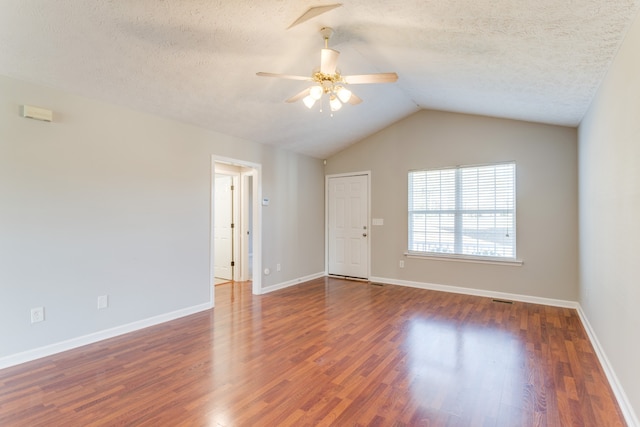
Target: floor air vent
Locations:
point(502, 301)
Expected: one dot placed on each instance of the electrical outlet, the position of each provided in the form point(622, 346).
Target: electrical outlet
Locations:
point(277, 267)
point(103, 302)
point(37, 314)
point(401, 263)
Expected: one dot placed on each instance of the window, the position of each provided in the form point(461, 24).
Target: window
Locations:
point(464, 211)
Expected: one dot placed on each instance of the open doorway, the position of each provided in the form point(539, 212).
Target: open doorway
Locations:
point(235, 223)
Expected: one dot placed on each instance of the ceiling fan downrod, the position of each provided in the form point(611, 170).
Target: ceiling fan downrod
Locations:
point(326, 33)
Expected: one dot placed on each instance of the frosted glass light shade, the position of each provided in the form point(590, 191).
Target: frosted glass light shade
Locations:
point(315, 92)
point(344, 94)
point(308, 101)
point(334, 103)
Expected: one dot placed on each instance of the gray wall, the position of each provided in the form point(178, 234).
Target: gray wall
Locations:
point(547, 203)
point(609, 147)
point(106, 200)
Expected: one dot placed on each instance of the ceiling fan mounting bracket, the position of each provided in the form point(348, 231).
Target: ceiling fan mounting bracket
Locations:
point(326, 32)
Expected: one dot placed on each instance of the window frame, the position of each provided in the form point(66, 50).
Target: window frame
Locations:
point(458, 215)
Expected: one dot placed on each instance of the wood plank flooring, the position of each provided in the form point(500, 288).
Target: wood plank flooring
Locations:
point(327, 352)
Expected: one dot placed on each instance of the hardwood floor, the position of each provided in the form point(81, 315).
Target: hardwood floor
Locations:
point(327, 352)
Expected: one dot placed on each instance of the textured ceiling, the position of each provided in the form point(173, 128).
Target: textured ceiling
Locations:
point(195, 61)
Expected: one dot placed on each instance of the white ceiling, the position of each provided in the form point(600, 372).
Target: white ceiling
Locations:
point(195, 61)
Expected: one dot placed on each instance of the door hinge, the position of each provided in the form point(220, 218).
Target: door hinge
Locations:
point(232, 188)
point(233, 264)
point(233, 225)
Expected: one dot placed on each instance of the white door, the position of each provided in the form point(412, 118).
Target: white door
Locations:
point(223, 233)
point(348, 217)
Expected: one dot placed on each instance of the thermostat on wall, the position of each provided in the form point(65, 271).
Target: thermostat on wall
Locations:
point(265, 201)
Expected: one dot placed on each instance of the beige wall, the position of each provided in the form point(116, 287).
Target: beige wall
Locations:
point(106, 200)
point(610, 216)
point(547, 227)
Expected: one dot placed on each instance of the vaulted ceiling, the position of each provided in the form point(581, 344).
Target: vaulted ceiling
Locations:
point(196, 61)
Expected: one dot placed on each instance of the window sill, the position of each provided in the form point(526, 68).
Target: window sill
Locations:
point(463, 258)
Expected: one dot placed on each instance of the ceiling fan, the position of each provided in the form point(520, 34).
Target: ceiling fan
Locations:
point(327, 80)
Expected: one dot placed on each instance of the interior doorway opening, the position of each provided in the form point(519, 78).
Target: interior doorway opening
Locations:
point(235, 223)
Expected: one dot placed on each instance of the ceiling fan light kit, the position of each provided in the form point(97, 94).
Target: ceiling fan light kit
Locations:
point(308, 101)
point(316, 92)
point(334, 103)
point(327, 80)
point(344, 94)
point(338, 95)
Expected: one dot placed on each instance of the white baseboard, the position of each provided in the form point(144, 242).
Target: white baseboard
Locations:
point(51, 349)
point(623, 401)
point(625, 406)
point(59, 347)
point(478, 292)
point(292, 282)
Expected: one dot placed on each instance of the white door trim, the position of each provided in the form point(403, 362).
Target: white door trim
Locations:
point(326, 217)
point(246, 231)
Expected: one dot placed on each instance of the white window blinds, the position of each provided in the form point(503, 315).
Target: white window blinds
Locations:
point(463, 211)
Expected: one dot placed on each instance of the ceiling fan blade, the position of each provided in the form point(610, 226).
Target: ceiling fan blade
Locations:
point(371, 78)
point(312, 12)
point(298, 96)
point(284, 76)
point(328, 61)
point(355, 99)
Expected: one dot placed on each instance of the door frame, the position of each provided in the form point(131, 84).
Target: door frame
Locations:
point(246, 232)
point(326, 217)
point(256, 171)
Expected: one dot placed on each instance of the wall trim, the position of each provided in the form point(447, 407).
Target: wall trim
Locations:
point(59, 347)
point(478, 292)
point(464, 258)
point(625, 406)
point(621, 397)
point(293, 282)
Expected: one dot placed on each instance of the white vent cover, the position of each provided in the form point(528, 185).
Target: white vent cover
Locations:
point(37, 113)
